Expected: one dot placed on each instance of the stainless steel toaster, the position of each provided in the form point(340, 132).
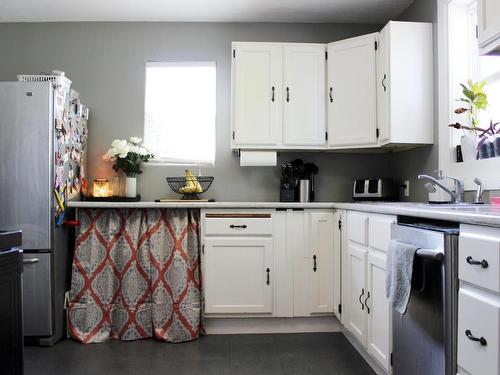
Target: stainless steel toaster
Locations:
point(373, 189)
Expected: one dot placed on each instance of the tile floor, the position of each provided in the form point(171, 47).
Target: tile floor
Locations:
point(290, 354)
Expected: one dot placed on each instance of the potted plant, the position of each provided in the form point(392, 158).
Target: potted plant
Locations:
point(473, 101)
point(128, 156)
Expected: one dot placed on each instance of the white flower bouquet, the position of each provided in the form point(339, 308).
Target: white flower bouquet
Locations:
point(128, 155)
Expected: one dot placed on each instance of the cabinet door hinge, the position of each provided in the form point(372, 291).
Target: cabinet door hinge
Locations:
point(376, 45)
point(340, 308)
point(233, 134)
point(326, 55)
point(340, 224)
point(377, 132)
point(326, 136)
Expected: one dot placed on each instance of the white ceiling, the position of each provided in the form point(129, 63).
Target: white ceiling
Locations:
point(358, 11)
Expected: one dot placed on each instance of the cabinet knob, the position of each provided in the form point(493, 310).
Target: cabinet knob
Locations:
point(483, 263)
point(471, 337)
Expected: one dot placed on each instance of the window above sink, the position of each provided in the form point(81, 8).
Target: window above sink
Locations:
point(459, 61)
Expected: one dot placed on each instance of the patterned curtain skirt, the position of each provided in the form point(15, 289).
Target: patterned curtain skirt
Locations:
point(136, 274)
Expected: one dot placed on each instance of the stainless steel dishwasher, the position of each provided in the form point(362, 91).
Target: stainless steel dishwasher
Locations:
point(424, 338)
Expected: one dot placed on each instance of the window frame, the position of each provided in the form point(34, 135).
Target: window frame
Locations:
point(487, 169)
point(172, 162)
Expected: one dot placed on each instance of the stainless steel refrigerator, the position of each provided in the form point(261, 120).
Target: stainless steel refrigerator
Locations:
point(43, 136)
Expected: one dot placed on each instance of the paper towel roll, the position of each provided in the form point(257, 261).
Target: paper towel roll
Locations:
point(258, 158)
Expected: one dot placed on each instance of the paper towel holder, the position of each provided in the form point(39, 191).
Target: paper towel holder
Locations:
point(237, 152)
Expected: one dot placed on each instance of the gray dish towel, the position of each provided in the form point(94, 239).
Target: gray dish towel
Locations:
point(398, 274)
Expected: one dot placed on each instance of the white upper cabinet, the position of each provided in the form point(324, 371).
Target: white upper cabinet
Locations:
point(256, 94)
point(278, 96)
point(304, 95)
point(351, 90)
point(370, 91)
point(405, 84)
point(489, 26)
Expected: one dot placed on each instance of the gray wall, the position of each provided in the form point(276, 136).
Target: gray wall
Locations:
point(106, 63)
point(408, 164)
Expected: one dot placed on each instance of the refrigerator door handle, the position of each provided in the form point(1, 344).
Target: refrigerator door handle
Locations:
point(31, 260)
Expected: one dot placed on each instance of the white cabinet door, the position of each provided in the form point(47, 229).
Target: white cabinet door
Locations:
point(489, 24)
point(322, 264)
point(383, 87)
point(238, 275)
point(352, 102)
point(304, 95)
point(356, 321)
point(337, 262)
point(378, 311)
point(256, 93)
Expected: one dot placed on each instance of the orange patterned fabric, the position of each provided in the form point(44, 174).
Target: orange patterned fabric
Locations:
point(136, 274)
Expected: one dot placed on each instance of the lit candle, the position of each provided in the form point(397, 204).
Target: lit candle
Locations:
point(101, 187)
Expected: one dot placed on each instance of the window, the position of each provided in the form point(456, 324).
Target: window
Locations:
point(179, 118)
point(459, 60)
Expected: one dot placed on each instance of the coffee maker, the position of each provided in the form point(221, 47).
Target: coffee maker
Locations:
point(297, 181)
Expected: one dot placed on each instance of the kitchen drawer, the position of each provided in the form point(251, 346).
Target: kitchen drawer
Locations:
point(480, 244)
point(379, 230)
point(480, 317)
point(37, 295)
point(238, 224)
point(357, 227)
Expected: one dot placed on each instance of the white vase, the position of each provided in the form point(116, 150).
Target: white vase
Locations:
point(468, 142)
point(131, 187)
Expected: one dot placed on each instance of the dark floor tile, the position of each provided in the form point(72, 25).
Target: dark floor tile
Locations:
point(280, 354)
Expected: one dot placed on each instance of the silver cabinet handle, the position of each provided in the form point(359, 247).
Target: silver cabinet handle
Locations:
point(31, 261)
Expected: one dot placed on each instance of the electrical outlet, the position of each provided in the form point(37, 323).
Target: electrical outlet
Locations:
point(406, 188)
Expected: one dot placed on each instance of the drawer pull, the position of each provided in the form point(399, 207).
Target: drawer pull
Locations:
point(315, 265)
point(238, 226)
point(31, 261)
point(360, 297)
point(483, 263)
point(268, 279)
point(481, 339)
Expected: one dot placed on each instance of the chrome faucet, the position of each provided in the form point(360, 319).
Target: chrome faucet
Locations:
point(457, 196)
point(479, 191)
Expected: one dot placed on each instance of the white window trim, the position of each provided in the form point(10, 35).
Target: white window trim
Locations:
point(169, 162)
point(486, 170)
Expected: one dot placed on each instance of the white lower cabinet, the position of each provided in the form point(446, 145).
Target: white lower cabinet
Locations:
point(366, 306)
point(378, 310)
point(242, 281)
point(478, 301)
point(280, 264)
point(356, 321)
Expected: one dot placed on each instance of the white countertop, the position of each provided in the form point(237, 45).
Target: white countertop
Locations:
point(467, 213)
point(195, 204)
